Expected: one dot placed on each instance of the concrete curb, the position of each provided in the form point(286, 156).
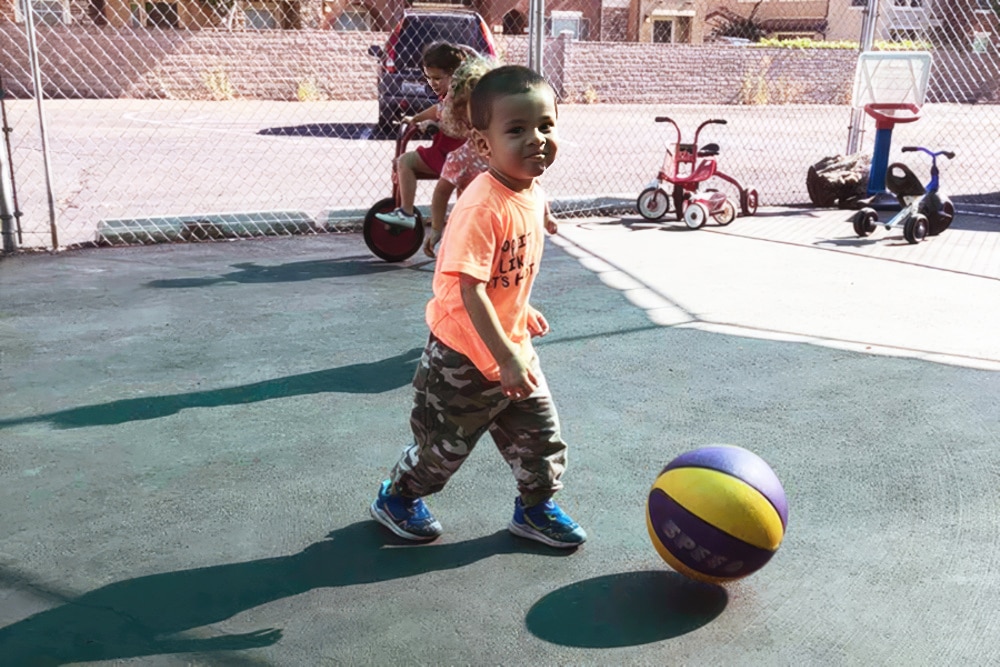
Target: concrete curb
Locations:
point(217, 226)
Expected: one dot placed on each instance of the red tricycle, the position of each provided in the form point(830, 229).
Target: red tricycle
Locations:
point(686, 167)
point(394, 243)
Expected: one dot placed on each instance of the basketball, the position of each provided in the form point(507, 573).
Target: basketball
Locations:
point(717, 513)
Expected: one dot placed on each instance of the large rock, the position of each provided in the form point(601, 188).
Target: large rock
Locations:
point(839, 180)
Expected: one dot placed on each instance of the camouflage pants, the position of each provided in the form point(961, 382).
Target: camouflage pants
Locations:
point(454, 405)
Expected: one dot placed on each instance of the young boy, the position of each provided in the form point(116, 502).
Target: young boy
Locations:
point(479, 371)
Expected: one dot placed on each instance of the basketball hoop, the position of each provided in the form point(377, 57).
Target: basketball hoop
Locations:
point(890, 87)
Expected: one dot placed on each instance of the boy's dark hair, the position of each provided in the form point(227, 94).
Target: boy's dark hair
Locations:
point(497, 83)
point(444, 56)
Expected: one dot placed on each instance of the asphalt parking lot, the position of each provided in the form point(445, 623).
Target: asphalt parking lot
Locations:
point(191, 434)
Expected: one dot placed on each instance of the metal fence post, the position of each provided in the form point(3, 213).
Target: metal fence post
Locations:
point(36, 77)
point(7, 206)
point(8, 200)
point(536, 35)
point(868, 23)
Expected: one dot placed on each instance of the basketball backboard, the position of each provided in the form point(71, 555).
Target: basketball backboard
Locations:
point(891, 77)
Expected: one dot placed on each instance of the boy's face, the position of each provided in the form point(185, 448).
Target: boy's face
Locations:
point(520, 142)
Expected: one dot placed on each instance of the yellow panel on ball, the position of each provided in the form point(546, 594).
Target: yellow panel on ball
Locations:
point(726, 502)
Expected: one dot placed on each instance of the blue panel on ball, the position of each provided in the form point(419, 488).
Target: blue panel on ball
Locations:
point(699, 545)
point(742, 464)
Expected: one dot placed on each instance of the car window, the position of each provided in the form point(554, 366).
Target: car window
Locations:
point(417, 34)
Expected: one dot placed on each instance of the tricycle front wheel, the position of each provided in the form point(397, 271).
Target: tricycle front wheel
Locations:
point(653, 203)
point(695, 215)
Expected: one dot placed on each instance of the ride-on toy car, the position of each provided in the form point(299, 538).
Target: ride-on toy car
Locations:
point(924, 211)
point(685, 168)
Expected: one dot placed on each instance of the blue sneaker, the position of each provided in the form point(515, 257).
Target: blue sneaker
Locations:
point(547, 524)
point(407, 517)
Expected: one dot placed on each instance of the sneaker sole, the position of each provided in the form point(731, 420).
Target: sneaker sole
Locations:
point(396, 223)
point(387, 521)
point(530, 533)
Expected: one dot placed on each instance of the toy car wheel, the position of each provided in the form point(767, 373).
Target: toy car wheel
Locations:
point(750, 202)
point(695, 215)
point(653, 203)
point(915, 228)
point(726, 214)
point(392, 243)
point(864, 222)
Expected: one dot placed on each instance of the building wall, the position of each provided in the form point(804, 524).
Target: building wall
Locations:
point(687, 74)
point(845, 21)
point(92, 62)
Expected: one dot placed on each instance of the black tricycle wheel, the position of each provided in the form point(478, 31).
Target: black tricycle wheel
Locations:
point(864, 221)
point(915, 228)
point(392, 243)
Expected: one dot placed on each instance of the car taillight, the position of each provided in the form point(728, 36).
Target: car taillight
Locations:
point(488, 38)
point(390, 50)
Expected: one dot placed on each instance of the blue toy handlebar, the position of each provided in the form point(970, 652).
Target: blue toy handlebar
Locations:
point(934, 154)
point(934, 183)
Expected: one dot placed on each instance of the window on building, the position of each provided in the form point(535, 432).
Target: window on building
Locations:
point(561, 22)
point(353, 18)
point(50, 12)
point(47, 12)
point(260, 18)
point(983, 4)
point(95, 10)
point(663, 31)
point(515, 23)
point(909, 3)
point(155, 15)
point(859, 3)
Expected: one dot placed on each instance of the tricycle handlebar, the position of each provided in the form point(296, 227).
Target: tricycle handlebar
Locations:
point(912, 149)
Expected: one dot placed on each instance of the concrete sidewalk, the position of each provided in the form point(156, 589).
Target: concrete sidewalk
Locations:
point(190, 436)
point(797, 275)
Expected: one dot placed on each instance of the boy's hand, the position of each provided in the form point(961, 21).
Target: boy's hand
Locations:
point(537, 324)
point(551, 226)
point(516, 378)
point(431, 242)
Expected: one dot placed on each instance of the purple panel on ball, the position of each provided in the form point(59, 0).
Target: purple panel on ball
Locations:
point(742, 464)
point(700, 545)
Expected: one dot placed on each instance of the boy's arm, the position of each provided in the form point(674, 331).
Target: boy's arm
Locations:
point(516, 377)
point(551, 225)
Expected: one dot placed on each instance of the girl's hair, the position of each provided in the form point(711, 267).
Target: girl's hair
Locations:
point(463, 80)
point(444, 56)
point(497, 83)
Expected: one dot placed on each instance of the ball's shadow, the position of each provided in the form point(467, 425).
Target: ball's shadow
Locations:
point(627, 609)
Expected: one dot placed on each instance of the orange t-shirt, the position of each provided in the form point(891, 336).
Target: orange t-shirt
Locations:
point(494, 235)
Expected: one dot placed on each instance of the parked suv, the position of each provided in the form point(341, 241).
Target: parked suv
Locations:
point(402, 89)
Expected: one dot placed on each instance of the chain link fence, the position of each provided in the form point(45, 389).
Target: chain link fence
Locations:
point(134, 122)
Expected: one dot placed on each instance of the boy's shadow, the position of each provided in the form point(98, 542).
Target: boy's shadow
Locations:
point(142, 616)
